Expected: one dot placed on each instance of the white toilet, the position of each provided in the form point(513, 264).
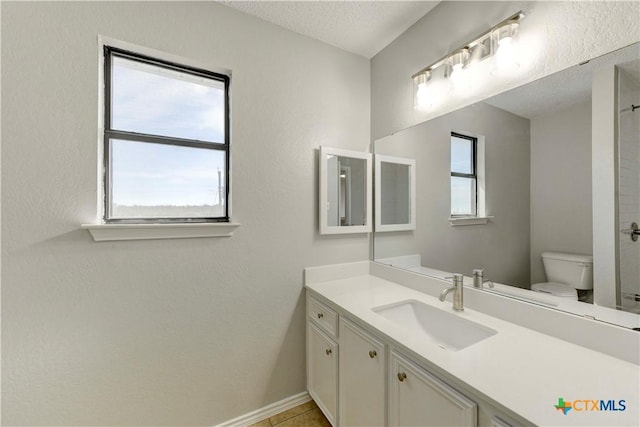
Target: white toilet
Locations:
point(568, 275)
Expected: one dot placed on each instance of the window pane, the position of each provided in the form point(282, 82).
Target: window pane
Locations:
point(150, 99)
point(463, 196)
point(461, 155)
point(166, 181)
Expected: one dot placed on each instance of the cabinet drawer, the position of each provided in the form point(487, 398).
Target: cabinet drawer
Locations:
point(322, 316)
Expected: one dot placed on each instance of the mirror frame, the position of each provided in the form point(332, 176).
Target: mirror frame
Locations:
point(323, 198)
point(411, 225)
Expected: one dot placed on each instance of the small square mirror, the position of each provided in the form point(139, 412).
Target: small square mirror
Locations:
point(395, 193)
point(345, 191)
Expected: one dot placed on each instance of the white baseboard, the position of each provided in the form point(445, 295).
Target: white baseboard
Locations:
point(267, 411)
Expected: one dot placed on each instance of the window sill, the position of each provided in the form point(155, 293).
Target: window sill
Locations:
point(111, 232)
point(470, 220)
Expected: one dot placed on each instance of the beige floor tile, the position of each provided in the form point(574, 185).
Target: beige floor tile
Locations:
point(300, 409)
point(263, 423)
point(312, 418)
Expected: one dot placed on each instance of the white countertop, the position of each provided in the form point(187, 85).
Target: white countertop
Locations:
point(521, 369)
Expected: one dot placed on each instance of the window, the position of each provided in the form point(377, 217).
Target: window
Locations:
point(464, 178)
point(166, 141)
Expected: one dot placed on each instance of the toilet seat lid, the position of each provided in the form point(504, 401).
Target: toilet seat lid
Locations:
point(555, 289)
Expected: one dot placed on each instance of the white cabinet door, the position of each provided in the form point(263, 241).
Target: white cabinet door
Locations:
point(417, 398)
point(322, 370)
point(362, 378)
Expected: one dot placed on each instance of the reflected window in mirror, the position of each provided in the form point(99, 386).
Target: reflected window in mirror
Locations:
point(464, 178)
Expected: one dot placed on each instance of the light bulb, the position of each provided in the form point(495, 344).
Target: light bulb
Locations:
point(458, 63)
point(506, 49)
point(507, 54)
point(423, 95)
point(457, 74)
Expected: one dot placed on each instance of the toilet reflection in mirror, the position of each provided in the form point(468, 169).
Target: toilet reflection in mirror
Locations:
point(568, 276)
point(345, 191)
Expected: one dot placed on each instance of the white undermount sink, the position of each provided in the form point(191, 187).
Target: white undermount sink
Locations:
point(448, 330)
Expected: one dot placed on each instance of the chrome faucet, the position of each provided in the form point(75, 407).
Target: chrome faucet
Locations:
point(478, 279)
point(457, 292)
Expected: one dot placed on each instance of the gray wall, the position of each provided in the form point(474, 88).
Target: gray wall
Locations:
point(167, 332)
point(561, 214)
point(603, 166)
point(501, 247)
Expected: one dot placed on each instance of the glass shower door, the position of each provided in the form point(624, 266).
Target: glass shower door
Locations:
point(628, 295)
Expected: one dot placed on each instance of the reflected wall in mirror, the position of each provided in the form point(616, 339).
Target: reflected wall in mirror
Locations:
point(345, 191)
point(395, 193)
point(551, 157)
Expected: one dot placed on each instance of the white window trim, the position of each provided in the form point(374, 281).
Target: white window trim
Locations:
point(112, 232)
point(469, 220)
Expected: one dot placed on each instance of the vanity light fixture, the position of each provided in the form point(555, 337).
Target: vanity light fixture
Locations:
point(498, 42)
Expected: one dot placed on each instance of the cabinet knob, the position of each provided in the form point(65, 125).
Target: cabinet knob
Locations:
point(402, 376)
point(328, 351)
point(320, 315)
point(372, 354)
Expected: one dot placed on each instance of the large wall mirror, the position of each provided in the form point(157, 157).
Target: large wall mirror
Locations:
point(345, 191)
point(537, 186)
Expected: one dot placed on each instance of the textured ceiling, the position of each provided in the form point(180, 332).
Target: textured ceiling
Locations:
point(566, 88)
point(361, 27)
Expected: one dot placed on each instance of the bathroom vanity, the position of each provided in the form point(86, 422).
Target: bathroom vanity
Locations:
point(382, 350)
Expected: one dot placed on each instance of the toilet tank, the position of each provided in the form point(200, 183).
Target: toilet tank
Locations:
point(570, 269)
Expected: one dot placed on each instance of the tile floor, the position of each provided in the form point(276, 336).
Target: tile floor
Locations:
point(305, 415)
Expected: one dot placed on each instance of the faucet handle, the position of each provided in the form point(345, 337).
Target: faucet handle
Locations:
point(490, 282)
point(457, 278)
